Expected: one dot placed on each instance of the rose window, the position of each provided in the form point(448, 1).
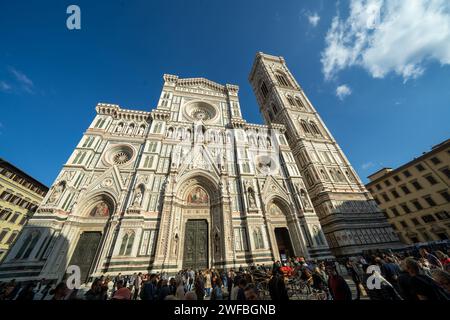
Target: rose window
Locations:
point(200, 111)
point(121, 157)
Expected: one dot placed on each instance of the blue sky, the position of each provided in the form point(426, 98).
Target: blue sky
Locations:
point(392, 104)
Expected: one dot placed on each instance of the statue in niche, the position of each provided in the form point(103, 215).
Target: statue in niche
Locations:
point(224, 160)
point(316, 230)
point(305, 199)
point(100, 210)
point(130, 129)
point(170, 133)
point(251, 198)
point(141, 130)
point(175, 244)
point(188, 135)
point(138, 197)
point(119, 127)
point(56, 193)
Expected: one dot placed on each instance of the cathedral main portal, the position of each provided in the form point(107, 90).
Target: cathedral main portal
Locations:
point(284, 243)
point(85, 252)
point(196, 245)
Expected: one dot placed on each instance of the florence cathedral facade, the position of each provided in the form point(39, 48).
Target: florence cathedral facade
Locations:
point(191, 184)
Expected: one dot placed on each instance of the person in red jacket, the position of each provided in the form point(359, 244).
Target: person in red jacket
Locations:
point(337, 285)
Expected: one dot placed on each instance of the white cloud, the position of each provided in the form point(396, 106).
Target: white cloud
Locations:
point(313, 19)
point(368, 165)
point(24, 80)
point(4, 86)
point(389, 36)
point(342, 91)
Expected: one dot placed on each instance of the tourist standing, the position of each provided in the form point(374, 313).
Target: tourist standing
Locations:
point(199, 287)
point(208, 284)
point(149, 291)
point(217, 293)
point(122, 292)
point(432, 259)
point(164, 290)
point(277, 287)
point(60, 292)
point(137, 286)
point(251, 292)
point(179, 294)
point(423, 287)
point(95, 292)
point(337, 285)
point(442, 278)
point(241, 294)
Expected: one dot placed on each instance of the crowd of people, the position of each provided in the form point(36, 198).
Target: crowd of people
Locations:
point(384, 276)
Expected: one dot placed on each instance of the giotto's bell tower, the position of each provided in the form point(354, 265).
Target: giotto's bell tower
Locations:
point(351, 220)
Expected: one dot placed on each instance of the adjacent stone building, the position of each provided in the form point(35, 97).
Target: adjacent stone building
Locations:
point(415, 197)
point(192, 184)
point(20, 196)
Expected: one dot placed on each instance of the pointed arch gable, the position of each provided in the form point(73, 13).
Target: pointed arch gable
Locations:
point(207, 181)
point(87, 205)
point(273, 187)
point(109, 182)
point(279, 211)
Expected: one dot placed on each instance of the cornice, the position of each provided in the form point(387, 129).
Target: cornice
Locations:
point(116, 112)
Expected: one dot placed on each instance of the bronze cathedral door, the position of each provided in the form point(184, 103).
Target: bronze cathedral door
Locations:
point(85, 252)
point(196, 245)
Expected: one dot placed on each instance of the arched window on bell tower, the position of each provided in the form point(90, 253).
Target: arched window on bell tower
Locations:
point(291, 100)
point(264, 90)
point(282, 79)
point(274, 108)
point(315, 128)
point(299, 103)
point(305, 126)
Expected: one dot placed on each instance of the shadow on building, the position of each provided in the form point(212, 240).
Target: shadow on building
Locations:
point(38, 253)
